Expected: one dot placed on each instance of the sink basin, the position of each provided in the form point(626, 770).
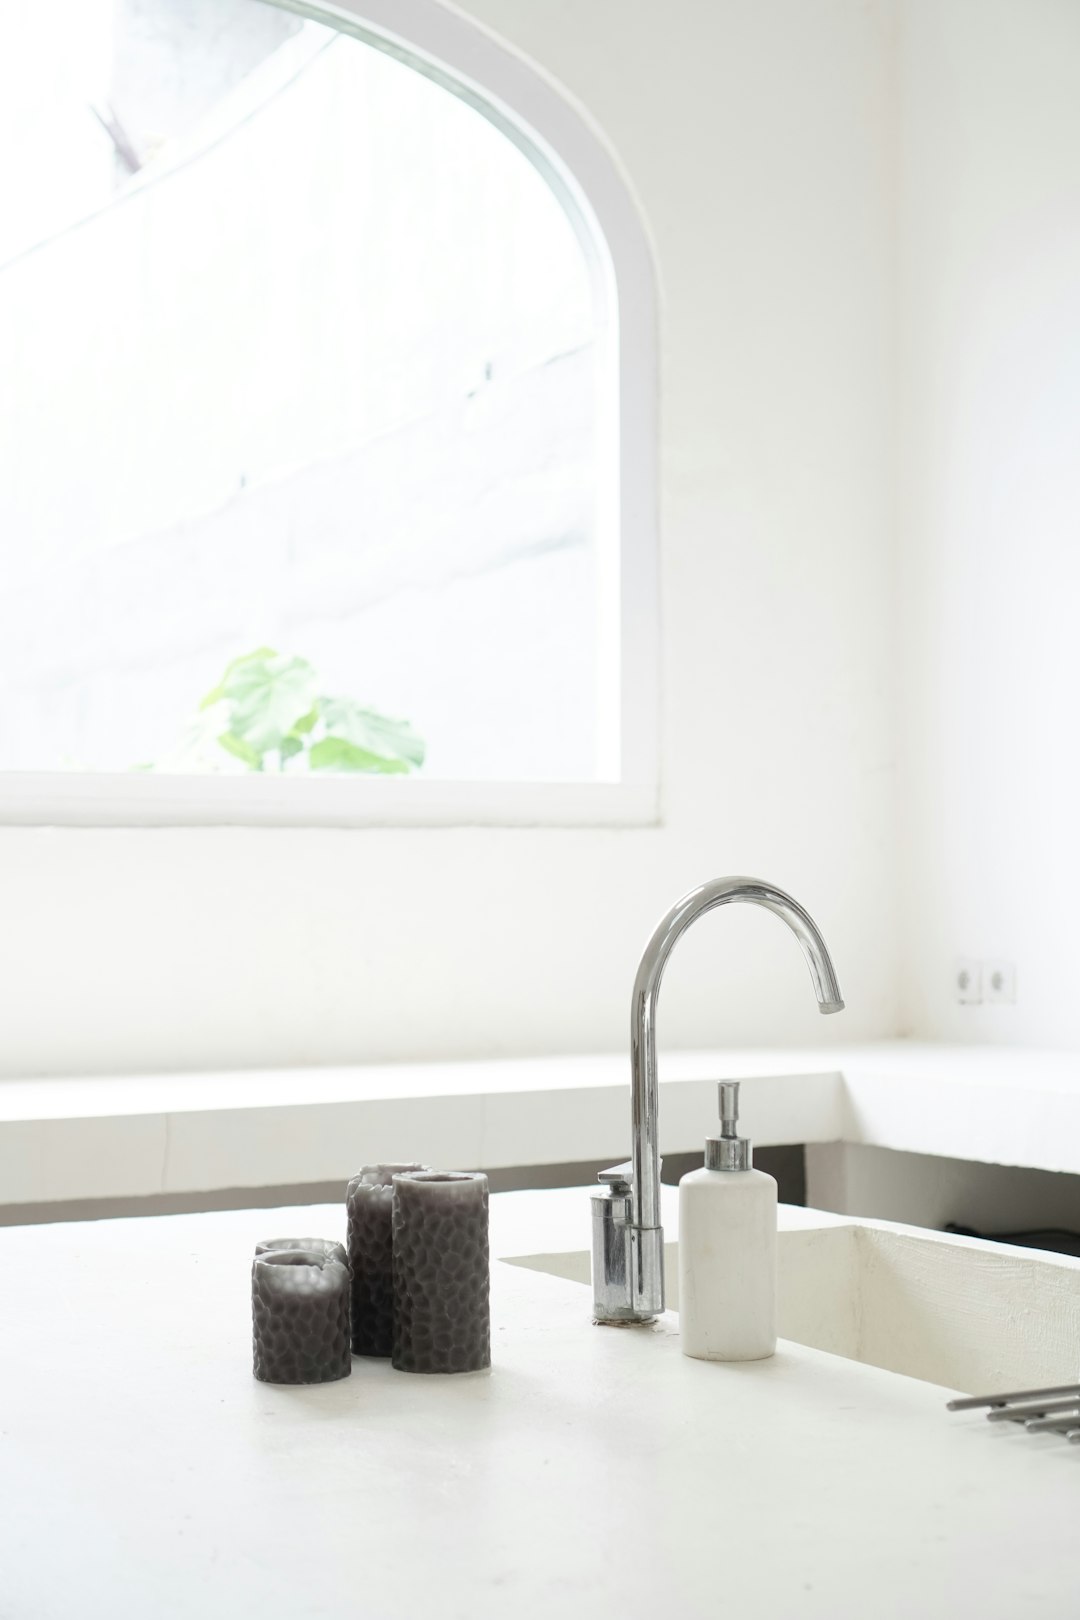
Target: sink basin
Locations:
point(960, 1312)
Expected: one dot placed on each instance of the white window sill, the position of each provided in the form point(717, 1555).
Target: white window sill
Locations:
point(132, 800)
point(78, 1139)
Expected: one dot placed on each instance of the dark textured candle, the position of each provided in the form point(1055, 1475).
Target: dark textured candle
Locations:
point(368, 1205)
point(300, 1314)
point(442, 1320)
point(326, 1246)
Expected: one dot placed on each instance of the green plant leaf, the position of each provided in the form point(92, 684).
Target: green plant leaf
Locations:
point(267, 694)
point(371, 732)
point(241, 750)
point(219, 692)
point(267, 704)
point(338, 754)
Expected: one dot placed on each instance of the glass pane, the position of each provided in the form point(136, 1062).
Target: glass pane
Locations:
point(297, 403)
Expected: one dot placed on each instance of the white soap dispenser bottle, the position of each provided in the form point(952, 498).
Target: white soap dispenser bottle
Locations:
point(727, 1249)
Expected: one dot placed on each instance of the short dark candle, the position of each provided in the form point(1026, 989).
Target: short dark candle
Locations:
point(325, 1246)
point(300, 1314)
point(442, 1321)
point(368, 1206)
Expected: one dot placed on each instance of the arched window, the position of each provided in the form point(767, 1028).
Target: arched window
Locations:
point(327, 409)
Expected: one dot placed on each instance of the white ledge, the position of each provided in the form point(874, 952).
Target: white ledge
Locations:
point(74, 1139)
point(119, 799)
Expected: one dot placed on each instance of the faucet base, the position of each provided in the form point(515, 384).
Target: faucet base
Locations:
point(627, 1260)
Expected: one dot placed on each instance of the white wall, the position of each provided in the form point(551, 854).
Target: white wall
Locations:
point(54, 68)
point(989, 290)
point(757, 135)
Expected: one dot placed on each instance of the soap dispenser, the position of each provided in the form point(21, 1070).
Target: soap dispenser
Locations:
point(727, 1248)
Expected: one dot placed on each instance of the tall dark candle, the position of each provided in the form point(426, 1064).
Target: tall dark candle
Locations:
point(368, 1204)
point(441, 1272)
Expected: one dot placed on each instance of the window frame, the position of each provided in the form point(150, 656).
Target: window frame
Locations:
point(472, 64)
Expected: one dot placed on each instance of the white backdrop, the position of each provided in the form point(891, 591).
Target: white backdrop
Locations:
point(990, 224)
point(757, 135)
point(321, 378)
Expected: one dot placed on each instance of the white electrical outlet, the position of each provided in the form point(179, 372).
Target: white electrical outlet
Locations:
point(999, 981)
point(967, 981)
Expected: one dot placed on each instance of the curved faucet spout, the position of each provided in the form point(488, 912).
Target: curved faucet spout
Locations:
point(643, 1069)
point(629, 1248)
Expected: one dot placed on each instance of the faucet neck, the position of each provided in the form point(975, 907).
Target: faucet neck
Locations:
point(628, 1239)
point(644, 1078)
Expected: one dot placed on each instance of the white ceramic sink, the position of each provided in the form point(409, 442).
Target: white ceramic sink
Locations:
point(959, 1312)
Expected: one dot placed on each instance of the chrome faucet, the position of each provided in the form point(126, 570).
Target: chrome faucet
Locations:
point(627, 1237)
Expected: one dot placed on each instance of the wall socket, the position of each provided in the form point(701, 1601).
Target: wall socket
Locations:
point(975, 982)
point(999, 981)
point(967, 981)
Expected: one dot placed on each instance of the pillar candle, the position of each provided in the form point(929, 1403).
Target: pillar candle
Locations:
point(368, 1204)
point(326, 1246)
point(440, 1250)
point(300, 1313)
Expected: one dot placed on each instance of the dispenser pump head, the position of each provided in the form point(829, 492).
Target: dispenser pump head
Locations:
point(729, 1150)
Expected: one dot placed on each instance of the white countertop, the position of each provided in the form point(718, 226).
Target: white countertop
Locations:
point(145, 1475)
point(93, 1138)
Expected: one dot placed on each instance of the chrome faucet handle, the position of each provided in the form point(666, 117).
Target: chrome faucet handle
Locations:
point(620, 1177)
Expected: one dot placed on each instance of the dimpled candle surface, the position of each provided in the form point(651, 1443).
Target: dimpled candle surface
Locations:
point(300, 1316)
point(368, 1209)
point(442, 1318)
